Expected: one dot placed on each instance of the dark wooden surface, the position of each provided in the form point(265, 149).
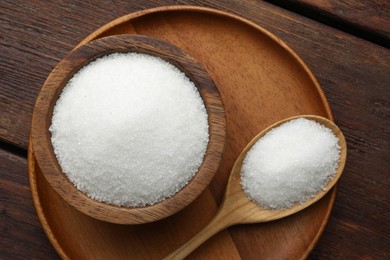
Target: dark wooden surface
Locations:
point(369, 19)
point(353, 71)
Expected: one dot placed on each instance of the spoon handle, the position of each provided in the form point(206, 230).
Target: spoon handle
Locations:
point(218, 223)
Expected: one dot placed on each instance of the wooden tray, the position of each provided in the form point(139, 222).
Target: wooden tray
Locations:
point(261, 81)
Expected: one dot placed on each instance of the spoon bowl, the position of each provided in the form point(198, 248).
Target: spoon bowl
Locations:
point(237, 208)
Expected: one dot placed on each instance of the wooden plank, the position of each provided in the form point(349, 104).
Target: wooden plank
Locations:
point(368, 19)
point(21, 234)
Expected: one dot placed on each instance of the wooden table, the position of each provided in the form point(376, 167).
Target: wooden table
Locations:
point(345, 44)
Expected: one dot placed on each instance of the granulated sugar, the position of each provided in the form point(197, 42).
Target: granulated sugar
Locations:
point(129, 129)
point(290, 164)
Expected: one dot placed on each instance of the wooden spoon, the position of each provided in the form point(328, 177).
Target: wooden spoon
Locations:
point(236, 208)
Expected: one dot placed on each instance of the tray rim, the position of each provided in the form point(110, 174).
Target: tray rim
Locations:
point(31, 164)
point(186, 8)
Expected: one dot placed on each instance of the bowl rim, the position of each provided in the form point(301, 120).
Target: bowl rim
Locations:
point(51, 90)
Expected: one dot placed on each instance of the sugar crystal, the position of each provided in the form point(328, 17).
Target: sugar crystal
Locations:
point(129, 129)
point(290, 164)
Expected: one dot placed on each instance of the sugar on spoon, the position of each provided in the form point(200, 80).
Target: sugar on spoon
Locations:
point(237, 208)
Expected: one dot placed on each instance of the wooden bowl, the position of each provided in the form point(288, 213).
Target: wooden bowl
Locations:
point(42, 115)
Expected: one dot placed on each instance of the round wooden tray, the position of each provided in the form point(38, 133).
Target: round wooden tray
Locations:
point(261, 81)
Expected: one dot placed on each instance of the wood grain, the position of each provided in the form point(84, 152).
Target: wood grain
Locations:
point(56, 82)
point(367, 19)
point(354, 73)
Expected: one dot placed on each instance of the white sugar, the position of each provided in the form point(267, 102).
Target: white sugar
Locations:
point(129, 129)
point(290, 164)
